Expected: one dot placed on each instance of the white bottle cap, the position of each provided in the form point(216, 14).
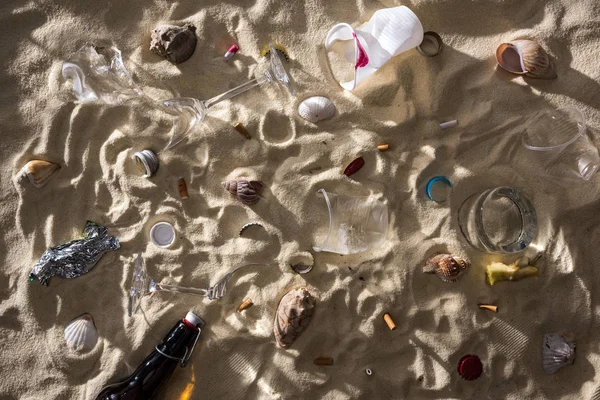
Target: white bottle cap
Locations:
point(194, 319)
point(162, 234)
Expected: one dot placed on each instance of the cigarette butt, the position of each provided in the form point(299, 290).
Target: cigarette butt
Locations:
point(449, 124)
point(389, 321)
point(241, 129)
point(383, 147)
point(489, 307)
point(323, 361)
point(245, 304)
point(182, 187)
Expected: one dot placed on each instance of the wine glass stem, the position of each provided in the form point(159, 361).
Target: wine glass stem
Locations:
point(181, 289)
point(234, 92)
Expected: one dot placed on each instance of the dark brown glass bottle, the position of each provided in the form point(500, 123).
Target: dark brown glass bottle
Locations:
point(175, 349)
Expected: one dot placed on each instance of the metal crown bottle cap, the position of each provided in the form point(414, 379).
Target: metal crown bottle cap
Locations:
point(194, 319)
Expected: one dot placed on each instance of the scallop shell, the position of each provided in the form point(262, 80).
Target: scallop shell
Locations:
point(248, 192)
point(81, 333)
point(39, 172)
point(557, 352)
point(175, 43)
point(447, 267)
point(293, 316)
point(147, 161)
point(316, 108)
point(525, 57)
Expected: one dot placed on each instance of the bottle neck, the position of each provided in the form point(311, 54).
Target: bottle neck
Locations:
point(179, 341)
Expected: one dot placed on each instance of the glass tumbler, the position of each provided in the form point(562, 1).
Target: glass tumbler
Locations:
point(559, 146)
point(500, 220)
point(356, 224)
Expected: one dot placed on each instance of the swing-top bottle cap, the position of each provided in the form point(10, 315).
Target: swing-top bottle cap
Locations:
point(194, 319)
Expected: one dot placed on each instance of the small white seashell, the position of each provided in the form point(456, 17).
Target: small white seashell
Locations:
point(557, 352)
point(81, 333)
point(147, 162)
point(39, 172)
point(316, 108)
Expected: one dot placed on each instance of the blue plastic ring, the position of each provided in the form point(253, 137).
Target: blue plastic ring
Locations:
point(432, 182)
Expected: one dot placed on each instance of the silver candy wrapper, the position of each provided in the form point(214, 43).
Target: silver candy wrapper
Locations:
point(75, 258)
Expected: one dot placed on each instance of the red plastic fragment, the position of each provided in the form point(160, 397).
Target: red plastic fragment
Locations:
point(354, 166)
point(470, 367)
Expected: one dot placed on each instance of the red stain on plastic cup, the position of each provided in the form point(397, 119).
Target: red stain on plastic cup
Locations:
point(470, 367)
point(354, 166)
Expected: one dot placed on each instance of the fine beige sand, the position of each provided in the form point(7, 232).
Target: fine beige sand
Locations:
point(402, 105)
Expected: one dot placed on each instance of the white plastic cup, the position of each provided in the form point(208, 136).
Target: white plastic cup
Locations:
point(559, 146)
point(356, 224)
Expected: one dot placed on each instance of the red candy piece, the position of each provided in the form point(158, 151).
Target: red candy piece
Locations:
point(354, 166)
point(470, 367)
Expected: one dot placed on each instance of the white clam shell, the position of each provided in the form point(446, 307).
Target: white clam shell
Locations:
point(81, 333)
point(556, 353)
point(316, 108)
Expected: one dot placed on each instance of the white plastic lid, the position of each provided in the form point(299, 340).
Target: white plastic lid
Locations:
point(194, 319)
point(162, 234)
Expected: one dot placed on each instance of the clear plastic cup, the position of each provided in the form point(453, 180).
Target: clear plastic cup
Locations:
point(500, 220)
point(559, 146)
point(356, 224)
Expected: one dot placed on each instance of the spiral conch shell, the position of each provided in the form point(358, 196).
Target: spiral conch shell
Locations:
point(525, 57)
point(175, 43)
point(316, 108)
point(81, 333)
point(447, 267)
point(39, 172)
point(293, 316)
point(248, 192)
point(557, 352)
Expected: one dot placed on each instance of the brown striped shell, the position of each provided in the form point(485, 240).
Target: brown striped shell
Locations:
point(175, 43)
point(39, 172)
point(248, 192)
point(525, 57)
point(293, 316)
point(447, 267)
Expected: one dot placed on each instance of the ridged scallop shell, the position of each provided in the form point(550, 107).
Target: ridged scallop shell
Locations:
point(39, 172)
point(81, 333)
point(557, 352)
point(316, 108)
point(447, 267)
point(293, 316)
point(175, 43)
point(248, 192)
point(147, 162)
point(525, 57)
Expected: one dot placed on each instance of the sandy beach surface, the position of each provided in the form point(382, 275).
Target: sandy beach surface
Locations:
point(401, 105)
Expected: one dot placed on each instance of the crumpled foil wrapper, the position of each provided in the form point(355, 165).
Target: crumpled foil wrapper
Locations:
point(75, 258)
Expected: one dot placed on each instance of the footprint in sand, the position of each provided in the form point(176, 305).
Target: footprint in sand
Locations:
point(276, 128)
